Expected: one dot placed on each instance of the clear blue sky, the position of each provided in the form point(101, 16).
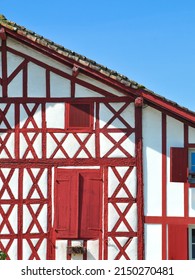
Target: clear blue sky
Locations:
point(149, 41)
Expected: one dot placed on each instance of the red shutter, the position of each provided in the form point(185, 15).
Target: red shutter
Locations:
point(178, 242)
point(79, 115)
point(178, 164)
point(90, 204)
point(66, 204)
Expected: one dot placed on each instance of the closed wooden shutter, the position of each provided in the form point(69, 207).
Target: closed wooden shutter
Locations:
point(79, 115)
point(78, 204)
point(178, 242)
point(90, 205)
point(178, 164)
point(66, 204)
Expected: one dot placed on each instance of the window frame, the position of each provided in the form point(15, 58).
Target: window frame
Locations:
point(191, 177)
point(68, 127)
point(190, 228)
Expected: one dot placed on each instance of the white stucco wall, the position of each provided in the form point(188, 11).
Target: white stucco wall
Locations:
point(175, 191)
point(152, 161)
point(153, 242)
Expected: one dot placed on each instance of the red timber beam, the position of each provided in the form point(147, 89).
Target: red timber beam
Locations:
point(4, 62)
point(168, 107)
point(2, 33)
point(95, 72)
point(72, 62)
point(139, 165)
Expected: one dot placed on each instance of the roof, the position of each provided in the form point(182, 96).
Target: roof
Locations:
point(147, 94)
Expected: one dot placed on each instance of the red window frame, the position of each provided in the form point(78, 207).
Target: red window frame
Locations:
point(78, 204)
point(79, 116)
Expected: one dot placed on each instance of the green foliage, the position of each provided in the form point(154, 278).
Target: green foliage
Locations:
point(2, 256)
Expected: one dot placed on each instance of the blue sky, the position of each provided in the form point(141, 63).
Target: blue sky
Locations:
point(150, 41)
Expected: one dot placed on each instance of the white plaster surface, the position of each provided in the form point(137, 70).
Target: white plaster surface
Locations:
point(132, 249)
point(106, 144)
point(24, 116)
point(13, 61)
point(55, 115)
point(37, 55)
point(10, 144)
point(13, 219)
point(152, 162)
point(81, 91)
point(92, 249)
point(127, 115)
point(113, 249)
point(15, 87)
point(191, 202)
point(27, 251)
point(59, 86)
point(61, 249)
point(36, 80)
point(10, 115)
point(191, 135)
point(37, 145)
point(100, 85)
point(175, 191)
point(153, 242)
point(130, 182)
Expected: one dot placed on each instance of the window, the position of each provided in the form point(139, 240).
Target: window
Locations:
point(192, 242)
point(182, 165)
point(191, 162)
point(78, 204)
point(79, 116)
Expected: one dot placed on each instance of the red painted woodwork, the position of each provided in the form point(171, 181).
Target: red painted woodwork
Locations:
point(66, 204)
point(177, 242)
point(78, 203)
point(178, 164)
point(79, 115)
point(115, 199)
point(2, 33)
point(139, 102)
point(140, 184)
point(78, 193)
point(90, 206)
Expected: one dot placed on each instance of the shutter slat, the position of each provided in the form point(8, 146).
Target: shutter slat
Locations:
point(79, 115)
point(66, 204)
point(90, 209)
point(178, 164)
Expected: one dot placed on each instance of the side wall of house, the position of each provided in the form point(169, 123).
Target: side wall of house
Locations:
point(35, 143)
point(165, 202)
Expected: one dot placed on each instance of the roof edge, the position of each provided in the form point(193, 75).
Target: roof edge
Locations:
point(86, 62)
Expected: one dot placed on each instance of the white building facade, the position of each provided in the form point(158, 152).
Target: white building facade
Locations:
point(92, 165)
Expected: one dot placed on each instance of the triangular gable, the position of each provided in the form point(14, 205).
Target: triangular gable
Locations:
point(93, 70)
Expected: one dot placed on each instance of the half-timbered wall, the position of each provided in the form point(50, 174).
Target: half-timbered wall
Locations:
point(166, 203)
point(133, 149)
point(35, 141)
